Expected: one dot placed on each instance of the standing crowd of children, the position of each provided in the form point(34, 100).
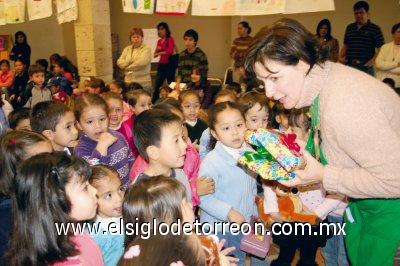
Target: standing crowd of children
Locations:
point(107, 155)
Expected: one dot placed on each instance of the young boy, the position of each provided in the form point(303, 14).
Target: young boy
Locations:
point(20, 119)
point(47, 74)
point(57, 122)
point(60, 88)
point(35, 92)
point(158, 136)
point(139, 100)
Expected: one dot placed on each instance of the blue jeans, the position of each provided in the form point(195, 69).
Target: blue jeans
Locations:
point(334, 251)
point(234, 240)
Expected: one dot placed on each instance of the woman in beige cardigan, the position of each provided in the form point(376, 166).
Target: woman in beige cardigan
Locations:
point(135, 60)
point(359, 125)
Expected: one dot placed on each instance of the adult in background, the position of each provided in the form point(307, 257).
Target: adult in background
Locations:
point(362, 40)
point(360, 163)
point(135, 60)
point(239, 49)
point(388, 61)
point(21, 48)
point(327, 41)
point(165, 48)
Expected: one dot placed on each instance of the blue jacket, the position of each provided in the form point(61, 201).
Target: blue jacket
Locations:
point(234, 187)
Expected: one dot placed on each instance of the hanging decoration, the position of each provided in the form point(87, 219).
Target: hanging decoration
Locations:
point(67, 10)
point(138, 6)
point(172, 7)
point(38, 9)
point(14, 11)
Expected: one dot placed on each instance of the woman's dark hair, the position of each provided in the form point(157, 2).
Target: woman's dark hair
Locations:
point(327, 23)
point(40, 202)
point(158, 197)
point(213, 113)
point(20, 33)
point(246, 25)
point(5, 61)
point(395, 27)
point(54, 57)
point(13, 146)
point(286, 42)
point(166, 27)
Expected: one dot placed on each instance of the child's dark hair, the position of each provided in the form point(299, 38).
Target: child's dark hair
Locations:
point(277, 110)
point(174, 102)
point(88, 100)
point(158, 197)
point(17, 116)
point(120, 84)
point(40, 202)
point(299, 118)
point(22, 61)
point(33, 69)
point(167, 107)
point(133, 86)
point(99, 171)
point(223, 93)
point(112, 95)
point(13, 146)
point(186, 93)
point(191, 33)
point(213, 113)
point(5, 61)
point(174, 248)
point(46, 115)
point(43, 62)
point(165, 88)
point(131, 97)
point(234, 86)
point(251, 98)
point(148, 126)
point(97, 83)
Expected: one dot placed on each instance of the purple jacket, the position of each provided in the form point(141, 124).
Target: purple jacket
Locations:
point(118, 156)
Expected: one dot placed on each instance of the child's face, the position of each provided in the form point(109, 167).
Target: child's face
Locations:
point(65, 134)
point(115, 112)
point(143, 103)
point(163, 93)
point(283, 121)
point(94, 121)
point(57, 69)
point(172, 148)
point(82, 197)
point(93, 90)
point(38, 78)
point(189, 43)
point(24, 124)
point(4, 67)
point(39, 147)
point(229, 128)
point(19, 67)
point(115, 88)
point(195, 76)
point(190, 107)
point(257, 117)
point(110, 194)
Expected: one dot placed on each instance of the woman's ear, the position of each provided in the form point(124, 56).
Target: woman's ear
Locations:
point(303, 66)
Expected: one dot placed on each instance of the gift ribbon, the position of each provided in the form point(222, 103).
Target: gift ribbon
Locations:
point(260, 154)
point(289, 141)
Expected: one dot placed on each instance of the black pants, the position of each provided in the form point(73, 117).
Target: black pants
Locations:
point(164, 71)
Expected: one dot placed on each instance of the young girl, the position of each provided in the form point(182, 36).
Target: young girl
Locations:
point(53, 189)
point(117, 122)
point(235, 188)
point(119, 87)
point(190, 103)
point(20, 81)
point(142, 204)
point(202, 87)
point(15, 147)
point(61, 67)
point(139, 100)
point(6, 75)
point(110, 194)
point(98, 143)
point(254, 105)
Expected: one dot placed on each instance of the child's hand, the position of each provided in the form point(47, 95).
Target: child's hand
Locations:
point(226, 251)
point(235, 217)
point(105, 141)
point(205, 186)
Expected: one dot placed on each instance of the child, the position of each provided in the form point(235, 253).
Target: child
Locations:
point(164, 92)
point(15, 147)
point(57, 122)
point(98, 143)
point(61, 68)
point(6, 75)
point(139, 100)
point(20, 119)
point(190, 102)
point(36, 92)
point(110, 194)
point(254, 105)
point(204, 145)
point(202, 87)
point(117, 86)
point(61, 184)
point(281, 116)
point(20, 81)
point(235, 188)
point(115, 115)
point(159, 139)
point(47, 74)
point(96, 86)
point(235, 88)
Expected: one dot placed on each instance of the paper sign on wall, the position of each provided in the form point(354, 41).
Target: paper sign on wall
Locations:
point(39, 9)
point(172, 7)
point(138, 6)
point(259, 7)
point(67, 10)
point(14, 11)
point(2, 14)
point(304, 6)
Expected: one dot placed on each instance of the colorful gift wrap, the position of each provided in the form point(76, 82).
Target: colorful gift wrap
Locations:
point(276, 156)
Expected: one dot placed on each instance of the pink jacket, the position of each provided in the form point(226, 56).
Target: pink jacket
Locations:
point(190, 167)
point(6, 78)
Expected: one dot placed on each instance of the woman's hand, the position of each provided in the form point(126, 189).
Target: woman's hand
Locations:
point(312, 173)
point(226, 251)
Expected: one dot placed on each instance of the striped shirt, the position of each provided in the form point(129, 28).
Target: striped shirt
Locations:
point(239, 50)
point(362, 42)
point(187, 61)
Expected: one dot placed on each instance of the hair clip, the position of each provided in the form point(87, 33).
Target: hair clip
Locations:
point(133, 251)
point(13, 141)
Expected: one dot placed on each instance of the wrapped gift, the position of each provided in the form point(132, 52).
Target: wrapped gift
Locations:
point(255, 244)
